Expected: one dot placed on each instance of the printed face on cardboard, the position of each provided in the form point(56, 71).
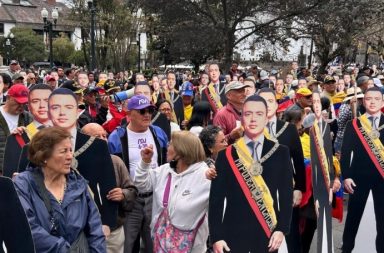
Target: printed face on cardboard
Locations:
point(373, 102)
point(38, 105)
point(317, 105)
point(63, 111)
point(254, 118)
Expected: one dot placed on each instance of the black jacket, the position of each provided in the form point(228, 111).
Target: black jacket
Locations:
point(15, 232)
point(239, 227)
point(290, 138)
point(355, 162)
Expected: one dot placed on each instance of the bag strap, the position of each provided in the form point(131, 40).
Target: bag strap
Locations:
point(166, 191)
point(43, 192)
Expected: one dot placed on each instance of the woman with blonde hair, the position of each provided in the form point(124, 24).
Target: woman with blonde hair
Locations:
point(180, 195)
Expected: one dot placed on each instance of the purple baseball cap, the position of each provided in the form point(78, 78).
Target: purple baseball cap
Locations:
point(139, 102)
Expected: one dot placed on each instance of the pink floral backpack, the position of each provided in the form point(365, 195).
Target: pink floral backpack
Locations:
point(168, 238)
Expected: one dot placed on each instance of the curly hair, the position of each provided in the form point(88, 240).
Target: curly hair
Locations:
point(208, 138)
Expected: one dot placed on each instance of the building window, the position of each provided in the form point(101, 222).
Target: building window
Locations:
point(1, 29)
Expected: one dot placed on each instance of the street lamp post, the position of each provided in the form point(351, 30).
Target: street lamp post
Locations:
point(92, 8)
point(139, 52)
point(48, 29)
point(8, 45)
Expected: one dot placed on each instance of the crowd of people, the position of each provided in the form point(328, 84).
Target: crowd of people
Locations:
point(213, 162)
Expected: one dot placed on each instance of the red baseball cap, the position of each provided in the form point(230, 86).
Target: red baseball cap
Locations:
point(19, 92)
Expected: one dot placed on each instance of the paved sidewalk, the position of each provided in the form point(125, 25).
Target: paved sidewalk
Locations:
point(337, 231)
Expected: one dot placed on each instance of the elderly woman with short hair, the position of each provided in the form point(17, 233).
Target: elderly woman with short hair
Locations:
point(59, 208)
point(180, 195)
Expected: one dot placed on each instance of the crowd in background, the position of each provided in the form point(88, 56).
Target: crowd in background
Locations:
point(143, 120)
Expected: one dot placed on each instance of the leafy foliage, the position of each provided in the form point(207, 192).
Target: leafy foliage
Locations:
point(63, 49)
point(26, 46)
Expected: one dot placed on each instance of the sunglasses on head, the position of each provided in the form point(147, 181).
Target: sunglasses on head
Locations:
point(149, 110)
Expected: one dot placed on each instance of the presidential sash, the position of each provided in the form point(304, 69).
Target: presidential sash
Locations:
point(31, 130)
point(371, 143)
point(213, 98)
point(318, 139)
point(253, 186)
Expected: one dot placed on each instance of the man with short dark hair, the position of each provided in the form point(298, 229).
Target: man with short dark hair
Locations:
point(38, 107)
point(250, 203)
point(214, 93)
point(91, 156)
point(69, 74)
point(171, 94)
point(91, 79)
point(82, 79)
point(362, 163)
point(6, 80)
point(95, 108)
point(325, 180)
point(286, 134)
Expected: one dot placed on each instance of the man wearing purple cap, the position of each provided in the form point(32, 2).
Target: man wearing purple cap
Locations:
point(12, 115)
point(127, 143)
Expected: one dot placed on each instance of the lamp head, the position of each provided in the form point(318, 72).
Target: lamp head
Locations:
point(44, 13)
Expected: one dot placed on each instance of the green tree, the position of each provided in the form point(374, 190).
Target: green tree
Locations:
point(117, 24)
point(63, 49)
point(338, 33)
point(229, 22)
point(77, 58)
point(27, 46)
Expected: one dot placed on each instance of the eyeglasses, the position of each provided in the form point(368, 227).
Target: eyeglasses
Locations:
point(146, 110)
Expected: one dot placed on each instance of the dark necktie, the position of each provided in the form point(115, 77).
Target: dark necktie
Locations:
point(253, 146)
point(41, 127)
point(270, 128)
point(373, 122)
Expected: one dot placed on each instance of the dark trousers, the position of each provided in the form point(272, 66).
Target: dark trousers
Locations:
point(293, 238)
point(138, 225)
point(356, 206)
point(309, 228)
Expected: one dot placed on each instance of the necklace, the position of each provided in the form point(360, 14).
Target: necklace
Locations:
point(60, 201)
point(256, 169)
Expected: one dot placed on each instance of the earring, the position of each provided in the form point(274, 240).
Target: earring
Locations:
point(45, 161)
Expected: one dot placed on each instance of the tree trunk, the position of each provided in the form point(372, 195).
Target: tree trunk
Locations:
point(228, 50)
point(83, 47)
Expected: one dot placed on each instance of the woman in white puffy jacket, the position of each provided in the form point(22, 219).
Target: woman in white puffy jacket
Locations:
point(189, 187)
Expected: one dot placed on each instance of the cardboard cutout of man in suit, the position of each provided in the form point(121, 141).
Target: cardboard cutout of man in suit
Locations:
point(15, 232)
point(322, 177)
point(92, 155)
point(286, 134)
point(254, 178)
point(38, 107)
point(362, 166)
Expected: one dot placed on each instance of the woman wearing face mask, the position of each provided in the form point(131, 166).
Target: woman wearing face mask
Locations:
point(180, 195)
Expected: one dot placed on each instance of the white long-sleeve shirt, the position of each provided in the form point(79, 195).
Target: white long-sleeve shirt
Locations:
point(188, 197)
